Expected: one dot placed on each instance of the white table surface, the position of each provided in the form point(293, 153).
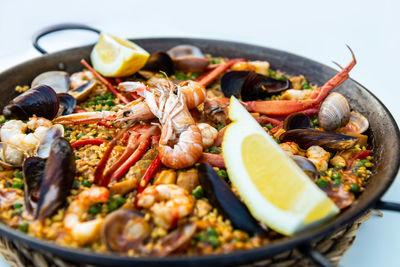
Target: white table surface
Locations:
point(314, 29)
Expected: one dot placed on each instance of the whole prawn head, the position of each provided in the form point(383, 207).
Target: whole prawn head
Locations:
point(181, 142)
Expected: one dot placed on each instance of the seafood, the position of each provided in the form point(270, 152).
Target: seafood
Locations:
point(257, 66)
point(85, 232)
point(294, 94)
point(67, 104)
point(319, 157)
point(334, 112)
point(208, 133)
point(357, 124)
point(216, 110)
point(160, 61)
point(168, 203)
point(297, 121)
point(307, 166)
point(80, 93)
point(58, 80)
point(188, 58)
point(80, 78)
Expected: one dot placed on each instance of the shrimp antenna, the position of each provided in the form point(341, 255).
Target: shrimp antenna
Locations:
point(337, 64)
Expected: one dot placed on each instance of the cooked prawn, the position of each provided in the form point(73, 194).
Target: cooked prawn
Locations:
point(85, 232)
point(260, 67)
point(208, 133)
point(167, 203)
point(319, 157)
point(290, 147)
point(293, 94)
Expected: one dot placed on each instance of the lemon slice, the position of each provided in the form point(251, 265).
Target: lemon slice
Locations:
point(116, 57)
point(276, 191)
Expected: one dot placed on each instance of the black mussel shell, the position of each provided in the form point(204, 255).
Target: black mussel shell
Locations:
point(115, 235)
point(67, 104)
point(41, 101)
point(311, 137)
point(307, 166)
point(254, 86)
point(297, 120)
point(220, 195)
point(33, 170)
point(160, 61)
point(58, 178)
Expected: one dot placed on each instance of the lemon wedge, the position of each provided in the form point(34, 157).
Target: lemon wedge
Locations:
point(276, 191)
point(116, 57)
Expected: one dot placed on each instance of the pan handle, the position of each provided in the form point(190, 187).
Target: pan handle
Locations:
point(387, 205)
point(315, 256)
point(56, 28)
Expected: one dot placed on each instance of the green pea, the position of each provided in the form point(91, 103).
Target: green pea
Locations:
point(23, 227)
point(76, 184)
point(270, 127)
point(315, 122)
point(336, 175)
point(305, 85)
point(222, 174)
point(17, 205)
point(337, 182)
point(112, 205)
point(322, 182)
point(198, 192)
point(120, 201)
point(95, 209)
point(281, 78)
point(214, 150)
point(338, 168)
point(215, 60)
point(267, 98)
point(277, 140)
point(271, 73)
point(219, 128)
point(19, 175)
point(97, 98)
point(2, 120)
point(354, 188)
point(195, 75)
point(214, 241)
point(108, 108)
point(80, 135)
point(358, 164)
point(17, 184)
point(89, 104)
point(211, 232)
point(86, 183)
point(363, 161)
point(201, 237)
point(8, 185)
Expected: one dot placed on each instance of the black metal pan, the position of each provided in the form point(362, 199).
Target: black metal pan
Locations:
point(384, 139)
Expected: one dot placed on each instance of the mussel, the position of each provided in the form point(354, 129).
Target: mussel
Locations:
point(67, 104)
point(41, 101)
point(334, 112)
point(307, 166)
point(249, 85)
point(297, 121)
point(160, 61)
point(188, 58)
point(82, 92)
point(48, 139)
point(124, 230)
point(58, 80)
point(312, 137)
point(52, 180)
point(220, 195)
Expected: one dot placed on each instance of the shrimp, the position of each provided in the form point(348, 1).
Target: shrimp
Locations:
point(319, 157)
point(293, 94)
point(80, 78)
point(85, 232)
point(208, 133)
point(180, 143)
point(167, 202)
point(290, 147)
point(260, 67)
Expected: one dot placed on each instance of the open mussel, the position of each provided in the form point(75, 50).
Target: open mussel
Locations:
point(46, 141)
point(221, 196)
point(124, 230)
point(249, 85)
point(307, 166)
point(67, 104)
point(58, 80)
point(311, 137)
point(41, 101)
point(160, 61)
point(297, 120)
point(334, 112)
point(188, 58)
point(51, 180)
point(82, 92)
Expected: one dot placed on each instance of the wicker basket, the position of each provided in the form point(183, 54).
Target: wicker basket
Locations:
point(333, 247)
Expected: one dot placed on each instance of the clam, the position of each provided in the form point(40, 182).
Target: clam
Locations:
point(82, 92)
point(41, 101)
point(356, 125)
point(67, 104)
point(160, 61)
point(58, 80)
point(33, 170)
point(220, 195)
point(249, 85)
point(124, 230)
point(311, 137)
point(175, 241)
point(297, 121)
point(188, 58)
point(334, 112)
point(307, 166)
point(58, 177)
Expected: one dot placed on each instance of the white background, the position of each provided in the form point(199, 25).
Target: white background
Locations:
point(315, 29)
